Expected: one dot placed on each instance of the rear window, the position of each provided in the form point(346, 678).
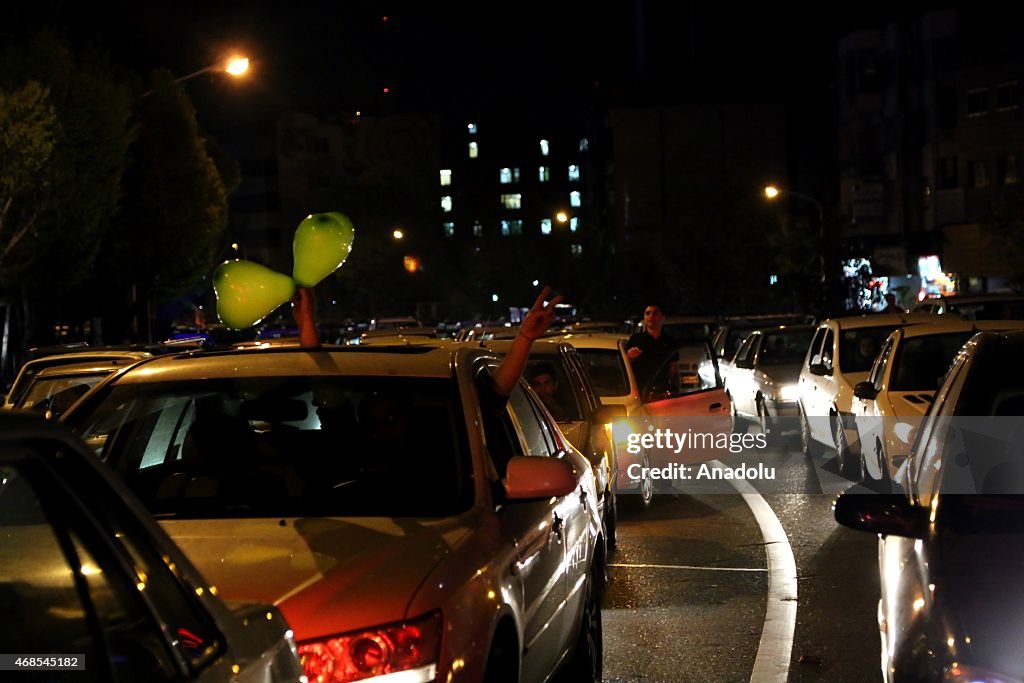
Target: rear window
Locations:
point(288, 446)
point(607, 371)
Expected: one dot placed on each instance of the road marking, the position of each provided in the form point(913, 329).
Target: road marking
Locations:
point(683, 566)
point(776, 647)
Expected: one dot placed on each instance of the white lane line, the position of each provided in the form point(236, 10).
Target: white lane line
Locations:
point(776, 647)
point(683, 566)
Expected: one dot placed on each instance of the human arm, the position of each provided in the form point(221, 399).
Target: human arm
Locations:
point(536, 322)
point(304, 311)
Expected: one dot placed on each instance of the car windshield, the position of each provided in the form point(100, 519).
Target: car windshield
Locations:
point(287, 446)
point(607, 371)
point(922, 361)
point(779, 348)
point(63, 391)
point(858, 348)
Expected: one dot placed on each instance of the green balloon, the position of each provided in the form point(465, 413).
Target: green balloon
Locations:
point(322, 243)
point(247, 292)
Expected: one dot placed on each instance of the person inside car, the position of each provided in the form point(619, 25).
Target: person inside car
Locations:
point(544, 381)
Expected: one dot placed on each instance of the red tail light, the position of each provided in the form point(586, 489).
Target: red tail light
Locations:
point(411, 646)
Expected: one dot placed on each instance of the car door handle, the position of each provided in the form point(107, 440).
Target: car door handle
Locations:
point(557, 524)
point(714, 407)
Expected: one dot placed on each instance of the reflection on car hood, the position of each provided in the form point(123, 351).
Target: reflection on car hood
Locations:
point(981, 590)
point(788, 373)
point(327, 575)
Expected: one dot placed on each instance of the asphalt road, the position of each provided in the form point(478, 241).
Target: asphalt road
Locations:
point(688, 585)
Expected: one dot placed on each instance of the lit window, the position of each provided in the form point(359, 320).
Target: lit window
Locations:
point(474, 150)
point(446, 176)
point(545, 226)
point(515, 175)
point(471, 128)
point(577, 249)
point(449, 229)
point(478, 230)
point(574, 199)
point(544, 174)
point(446, 203)
point(505, 176)
point(544, 148)
point(516, 227)
point(506, 229)
point(574, 172)
point(512, 201)
point(584, 144)
point(574, 224)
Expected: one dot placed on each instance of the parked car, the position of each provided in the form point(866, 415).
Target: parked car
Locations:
point(1002, 306)
point(839, 357)
point(88, 577)
point(950, 546)
point(902, 384)
point(97, 359)
point(697, 393)
point(51, 391)
point(407, 522)
point(558, 376)
point(762, 383)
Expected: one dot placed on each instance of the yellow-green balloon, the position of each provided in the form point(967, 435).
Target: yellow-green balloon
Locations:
point(322, 243)
point(247, 292)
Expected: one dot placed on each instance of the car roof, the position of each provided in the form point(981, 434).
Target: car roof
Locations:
point(594, 341)
point(395, 361)
point(544, 345)
point(72, 369)
point(954, 326)
point(785, 328)
point(855, 322)
point(93, 355)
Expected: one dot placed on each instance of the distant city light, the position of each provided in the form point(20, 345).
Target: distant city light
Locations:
point(771, 192)
point(234, 245)
point(561, 216)
point(387, 90)
point(773, 279)
point(398, 234)
point(536, 283)
point(237, 66)
point(494, 298)
point(411, 264)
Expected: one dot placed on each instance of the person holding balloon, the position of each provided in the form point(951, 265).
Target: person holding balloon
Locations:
point(247, 292)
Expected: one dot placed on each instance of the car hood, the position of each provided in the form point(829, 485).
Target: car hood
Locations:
point(983, 600)
point(327, 575)
point(911, 403)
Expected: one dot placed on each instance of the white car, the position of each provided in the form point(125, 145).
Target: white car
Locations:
point(410, 524)
point(839, 357)
point(762, 382)
point(700, 394)
point(901, 386)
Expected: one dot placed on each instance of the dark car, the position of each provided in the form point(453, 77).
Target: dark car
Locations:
point(91, 589)
point(951, 548)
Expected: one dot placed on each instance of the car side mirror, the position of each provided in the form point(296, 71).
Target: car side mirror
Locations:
point(747, 364)
point(892, 515)
point(608, 414)
point(532, 477)
point(865, 390)
point(818, 369)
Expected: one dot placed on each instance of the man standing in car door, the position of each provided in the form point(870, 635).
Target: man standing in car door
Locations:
point(650, 348)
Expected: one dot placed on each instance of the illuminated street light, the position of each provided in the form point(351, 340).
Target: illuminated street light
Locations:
point(234, 245)
point(561, 217)
point(494, 298)
point(235, 66)
point(771, 192)
point(398, 234)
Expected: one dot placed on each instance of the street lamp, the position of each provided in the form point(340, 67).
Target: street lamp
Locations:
point(398, 234)
point(562, 217)
point(235, 66)
point(772, 192)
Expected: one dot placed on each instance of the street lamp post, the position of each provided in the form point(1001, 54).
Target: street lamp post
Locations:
point(772, 192)
point(234, 66)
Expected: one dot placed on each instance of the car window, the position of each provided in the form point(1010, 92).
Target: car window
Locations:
point(928, 447)
point(784, 347)
point(858, 348)
point(827, 350)
point(582, 379)
point(814, 351)
point(534, 431)
point(692, 369)
point(746, 351)
point(607, 370)
point(290, 446)
point(921, 362)
point(878, 369)
point(548, 376)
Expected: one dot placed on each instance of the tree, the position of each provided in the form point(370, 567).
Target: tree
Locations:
point(63, 140)
point(174, 209)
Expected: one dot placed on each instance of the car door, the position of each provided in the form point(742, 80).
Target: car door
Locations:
point(702, 406)
point(538, 529)
point(817, 390)
point(740, 379)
